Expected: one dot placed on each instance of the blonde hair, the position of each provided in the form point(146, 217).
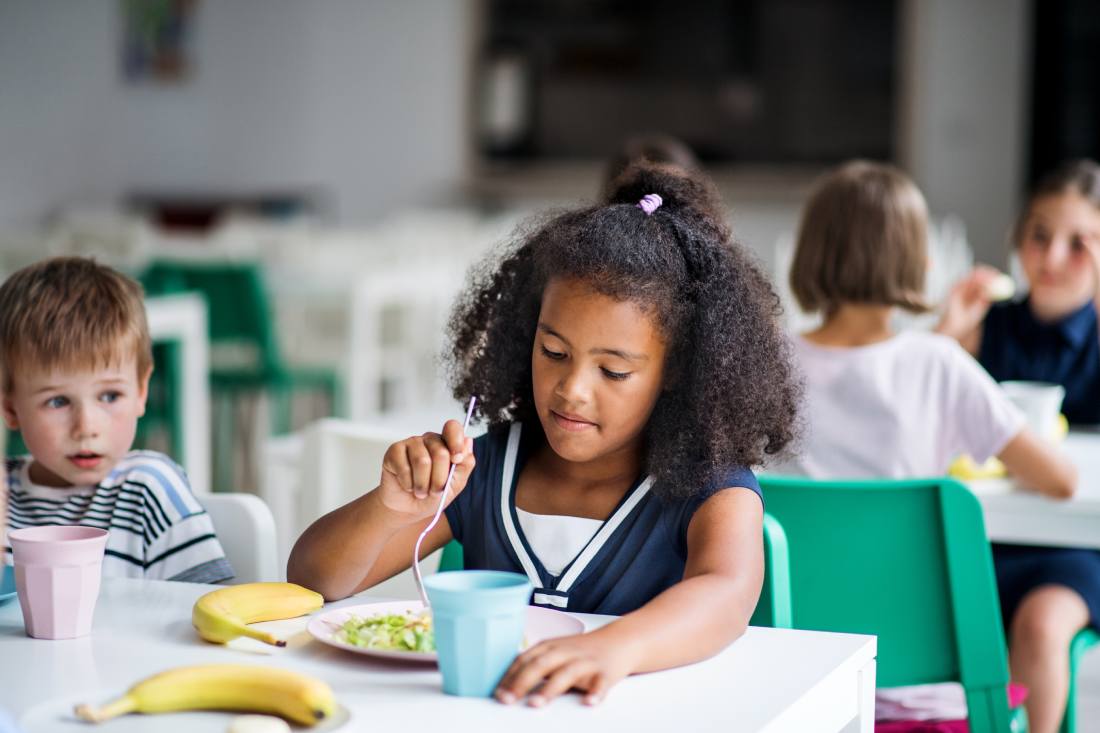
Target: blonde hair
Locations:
point(863, 239)
point(71, 313)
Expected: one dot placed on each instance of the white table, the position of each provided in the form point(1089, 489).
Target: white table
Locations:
point(769, 680)
point(182, 318)
point(1016, 515)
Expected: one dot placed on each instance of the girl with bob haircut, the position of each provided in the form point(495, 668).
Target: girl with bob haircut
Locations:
point(1048, 594)
point(881, 404)
point(628, 361)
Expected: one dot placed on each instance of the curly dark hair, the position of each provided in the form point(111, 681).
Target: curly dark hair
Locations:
point(730, 396)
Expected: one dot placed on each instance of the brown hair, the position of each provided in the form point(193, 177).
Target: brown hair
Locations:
point(862, 239)
point(71, 313)
point(1081, 176)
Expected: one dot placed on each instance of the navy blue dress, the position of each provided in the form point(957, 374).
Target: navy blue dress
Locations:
point(1017, 346)
point(638, 552)
point(1067, 352)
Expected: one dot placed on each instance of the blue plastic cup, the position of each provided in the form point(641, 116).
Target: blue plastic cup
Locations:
point(478, 617)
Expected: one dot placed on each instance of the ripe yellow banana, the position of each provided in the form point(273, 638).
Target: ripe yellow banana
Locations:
point(294, 696)
point(222, 615)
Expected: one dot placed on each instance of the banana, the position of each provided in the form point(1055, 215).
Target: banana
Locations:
point(222, 615)
point(237, 687)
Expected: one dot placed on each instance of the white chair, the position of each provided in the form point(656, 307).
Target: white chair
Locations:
point(246, 530)
point(341, 460)
point(397, 327)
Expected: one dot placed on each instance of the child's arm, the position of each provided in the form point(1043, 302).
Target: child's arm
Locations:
point(692, 620)
point(966, 308)
point(1038, 465)
point(372, 538)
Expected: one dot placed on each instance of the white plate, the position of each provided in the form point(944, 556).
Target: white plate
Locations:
point(542, 624)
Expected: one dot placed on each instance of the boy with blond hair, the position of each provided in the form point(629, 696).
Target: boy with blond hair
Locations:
point(77, 359)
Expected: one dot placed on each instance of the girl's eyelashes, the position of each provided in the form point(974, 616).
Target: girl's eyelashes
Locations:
point(559, 355)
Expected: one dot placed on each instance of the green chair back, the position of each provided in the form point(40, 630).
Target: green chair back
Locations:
point(237, 303)
point(774, 607)
point(1085, 640)
point(452, 557)
point(907, 561)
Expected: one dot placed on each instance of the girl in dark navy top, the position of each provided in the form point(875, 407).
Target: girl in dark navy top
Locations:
point(1047, 594)
point(630, 365)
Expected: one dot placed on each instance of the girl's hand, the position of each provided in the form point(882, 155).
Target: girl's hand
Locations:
point(414, 471)
point(968, 303)
point(587, 662)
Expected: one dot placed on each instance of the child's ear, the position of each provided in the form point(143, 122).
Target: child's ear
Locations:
point(143, 389)
point(10, 418)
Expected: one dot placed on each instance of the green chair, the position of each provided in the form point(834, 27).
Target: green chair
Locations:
point(774, 607)
point(1081, 643)
point(907, 561)
point(245, 358)
point(163, 409)
point(452, 557)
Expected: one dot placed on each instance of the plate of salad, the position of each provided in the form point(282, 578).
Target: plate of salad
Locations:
point(399, 629)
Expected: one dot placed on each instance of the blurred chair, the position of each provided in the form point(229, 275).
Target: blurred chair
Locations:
point(909, 562)
point(340, 461)
point(245, 358)
point(398, 323)
point(1085, 640)
point(163, 411)
point(774, 607)
point(246, 530)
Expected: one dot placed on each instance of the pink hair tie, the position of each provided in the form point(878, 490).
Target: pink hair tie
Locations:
point(650, 202)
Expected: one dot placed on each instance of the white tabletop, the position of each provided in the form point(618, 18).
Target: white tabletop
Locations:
point(1016, 515)
point(769, 680)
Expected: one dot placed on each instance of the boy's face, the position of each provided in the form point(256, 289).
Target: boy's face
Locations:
point(77, 425)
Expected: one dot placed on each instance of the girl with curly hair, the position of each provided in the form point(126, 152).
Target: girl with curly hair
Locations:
point(628, 360)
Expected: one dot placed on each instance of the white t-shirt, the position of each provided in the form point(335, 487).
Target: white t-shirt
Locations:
point(901, 408)
point(557, 539)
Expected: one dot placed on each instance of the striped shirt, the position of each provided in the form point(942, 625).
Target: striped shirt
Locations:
point(158, 529)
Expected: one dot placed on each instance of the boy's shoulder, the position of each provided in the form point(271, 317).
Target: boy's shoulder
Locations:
point(151, 462)
point(157, 475)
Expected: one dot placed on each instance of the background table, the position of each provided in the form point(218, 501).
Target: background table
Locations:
point(769, 680)
point(1016, 515)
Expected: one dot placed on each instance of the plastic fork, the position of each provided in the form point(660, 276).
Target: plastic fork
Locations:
point(438, 513)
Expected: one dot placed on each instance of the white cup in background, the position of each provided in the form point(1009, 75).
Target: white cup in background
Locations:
point(1041, 403)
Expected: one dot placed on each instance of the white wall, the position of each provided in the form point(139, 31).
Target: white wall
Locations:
point(366, 99)
point(963, 111)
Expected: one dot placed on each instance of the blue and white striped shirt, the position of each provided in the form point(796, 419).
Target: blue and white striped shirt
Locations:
point(158, 529)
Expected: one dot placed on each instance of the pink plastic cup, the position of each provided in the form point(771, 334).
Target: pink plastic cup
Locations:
point(57, 571)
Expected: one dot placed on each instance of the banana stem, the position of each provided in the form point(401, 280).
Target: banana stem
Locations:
point(121, 706)
point(264, 636)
